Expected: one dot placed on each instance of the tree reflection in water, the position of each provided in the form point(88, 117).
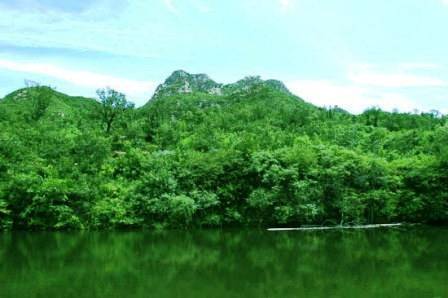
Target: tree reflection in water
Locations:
point(376, 263)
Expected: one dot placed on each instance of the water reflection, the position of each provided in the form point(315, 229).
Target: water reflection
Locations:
point(376, 263)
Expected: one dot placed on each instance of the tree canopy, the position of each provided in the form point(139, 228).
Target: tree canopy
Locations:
point(256, 157)
point(113, 105)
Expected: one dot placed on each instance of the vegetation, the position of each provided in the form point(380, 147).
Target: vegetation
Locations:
point(255, 157)
point(113, 104)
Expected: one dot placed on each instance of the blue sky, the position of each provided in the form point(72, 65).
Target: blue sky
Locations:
point(350, 53)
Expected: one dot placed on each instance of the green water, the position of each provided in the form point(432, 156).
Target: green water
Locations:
point(375, 263)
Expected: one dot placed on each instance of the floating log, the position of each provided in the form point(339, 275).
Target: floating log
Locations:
point(337, 227)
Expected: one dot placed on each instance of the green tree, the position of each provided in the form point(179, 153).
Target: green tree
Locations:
point(113, 105)
point(41, 102)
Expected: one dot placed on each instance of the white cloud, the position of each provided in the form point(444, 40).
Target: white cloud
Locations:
point(418, 66)
point(171, 6)
point(351, 97)
point(445, 2)
point(139, 91)
point(201, 6)
point(129, 29)
point(395, 80)
point(327, 93)
point(285, 3)
point(371, 76)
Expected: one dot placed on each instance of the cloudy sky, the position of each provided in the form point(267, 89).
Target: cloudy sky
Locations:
point(350, 53)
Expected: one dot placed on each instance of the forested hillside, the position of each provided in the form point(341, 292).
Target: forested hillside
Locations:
point(203, 154)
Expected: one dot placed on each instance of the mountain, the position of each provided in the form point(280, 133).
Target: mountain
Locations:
point(47, 102)
point(205, 154)
point(182, 82)
point(253, 81)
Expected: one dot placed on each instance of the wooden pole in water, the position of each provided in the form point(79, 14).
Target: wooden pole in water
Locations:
point(337, 227)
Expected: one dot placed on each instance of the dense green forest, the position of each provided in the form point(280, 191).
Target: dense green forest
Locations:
point(202, 154)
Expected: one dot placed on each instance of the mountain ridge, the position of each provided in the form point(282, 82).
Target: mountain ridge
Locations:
point(178, 83)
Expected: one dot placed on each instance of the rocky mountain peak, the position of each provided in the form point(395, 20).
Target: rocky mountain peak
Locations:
point(182, 82)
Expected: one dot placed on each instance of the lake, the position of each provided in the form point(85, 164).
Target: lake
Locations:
point(404, 262)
